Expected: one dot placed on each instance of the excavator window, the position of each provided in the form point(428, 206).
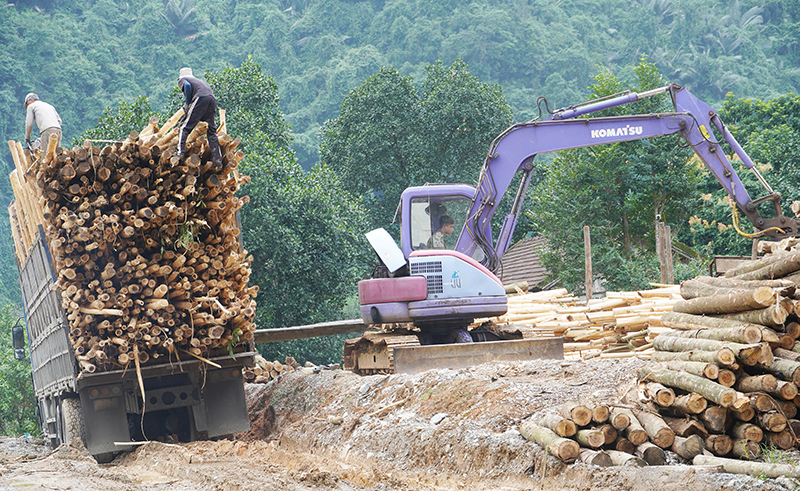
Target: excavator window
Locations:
point(430, 214)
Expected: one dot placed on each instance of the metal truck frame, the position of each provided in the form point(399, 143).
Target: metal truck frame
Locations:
point(184, 399)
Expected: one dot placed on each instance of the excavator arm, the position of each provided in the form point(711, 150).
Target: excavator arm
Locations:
point(514, 150)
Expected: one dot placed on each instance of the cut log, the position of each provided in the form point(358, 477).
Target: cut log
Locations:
point(723, 357)
point(782, 266)
point(746, 334)
point(593, 457)
point(783, 440)
point(745, 449)
point(590, 438)
point(757, 383)
point(688, 404)
point(755, 469)
point(772, 316)
point(747, 431)
point(690, 383)
point(772, 421)
point(559, 425)
point(659, 432)
point(622, 444)
point(699, 368)
point(577, 412)
point(634, 432)
point(609, 433)
point(686, 427)
point(619, 420)
point(737, 301)
point(719, 444)
point(786, 369)
point(749, 354)
point(652, 454)
point(658, 393)
point(716, 419)
point(563, 448)
point(689, 447)
point(784, 390)
point(625, 459)
point(726, 378)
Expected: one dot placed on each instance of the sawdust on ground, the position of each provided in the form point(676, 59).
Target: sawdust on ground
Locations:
point(332, 430)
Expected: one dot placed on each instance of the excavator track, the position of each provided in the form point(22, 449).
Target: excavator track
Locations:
point(373, 352)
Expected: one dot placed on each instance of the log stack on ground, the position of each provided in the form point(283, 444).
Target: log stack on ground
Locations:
point(146, 246)
point(622, 324)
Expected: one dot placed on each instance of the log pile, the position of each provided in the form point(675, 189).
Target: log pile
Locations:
point(622, 324)
point(263, 371)
point(146, 246)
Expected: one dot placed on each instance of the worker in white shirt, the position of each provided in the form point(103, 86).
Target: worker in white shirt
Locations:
point(46, 118)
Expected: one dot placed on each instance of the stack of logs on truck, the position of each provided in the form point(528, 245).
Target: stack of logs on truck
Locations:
point(723, 382)
point(145, 246)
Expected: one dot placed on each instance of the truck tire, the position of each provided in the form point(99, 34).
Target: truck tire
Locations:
point(73, 423)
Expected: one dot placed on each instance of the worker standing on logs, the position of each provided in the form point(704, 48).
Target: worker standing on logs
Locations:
point(201, 105)
point(46, 118)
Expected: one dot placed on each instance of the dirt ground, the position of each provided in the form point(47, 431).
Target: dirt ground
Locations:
point(331, 430)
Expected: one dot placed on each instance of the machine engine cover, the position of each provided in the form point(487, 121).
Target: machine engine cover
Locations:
point(451, 274)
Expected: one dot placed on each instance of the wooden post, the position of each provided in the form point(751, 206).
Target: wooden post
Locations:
point(587, 249)
point(662, 260)
point(668, 254)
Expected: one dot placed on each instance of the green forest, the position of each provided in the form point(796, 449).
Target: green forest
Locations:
point(341, 104)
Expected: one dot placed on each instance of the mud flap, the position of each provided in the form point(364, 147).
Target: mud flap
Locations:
point(416, 359)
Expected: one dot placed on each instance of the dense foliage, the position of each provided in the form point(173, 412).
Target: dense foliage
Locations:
point(388, 136)
point(17, 404)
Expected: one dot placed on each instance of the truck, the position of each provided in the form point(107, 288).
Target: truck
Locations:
point(437, 293)
point(183, 400)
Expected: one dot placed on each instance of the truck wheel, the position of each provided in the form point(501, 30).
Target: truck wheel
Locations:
point(73, 424)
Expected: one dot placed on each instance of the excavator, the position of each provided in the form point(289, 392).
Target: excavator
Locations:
point(430, 295)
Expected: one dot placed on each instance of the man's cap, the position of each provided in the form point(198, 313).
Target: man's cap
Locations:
point(30, 97)
point(185, 72)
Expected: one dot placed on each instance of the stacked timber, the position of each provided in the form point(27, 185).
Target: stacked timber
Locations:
point(145, 246)
point(263, 370)
point(733, 350)
point(621, 324)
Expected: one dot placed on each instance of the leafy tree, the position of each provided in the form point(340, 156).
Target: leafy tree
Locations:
point(117, 124)
point(17, 402)
point(389, 136)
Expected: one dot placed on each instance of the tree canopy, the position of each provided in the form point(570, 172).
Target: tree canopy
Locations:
point(389, 136)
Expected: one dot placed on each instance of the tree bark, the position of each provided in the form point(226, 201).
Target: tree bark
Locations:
point(559, 425)
point(593, 457)
point(689, 447)
point(691, 383)
point(659, 432)
point(563, 448)
point(723, 357)
point(651, 453)
point(590, 438)
point(749, 354)
point(737, 301)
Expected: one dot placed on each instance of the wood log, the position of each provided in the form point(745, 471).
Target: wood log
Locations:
point(784, 390)
point(690, 383)
point(686, 427)
point(590, 438)
point(749, 354)
point(651, 453)
point(726, 378)
point(688, 404)
point(716, 419)
point(755, 469)
point(786, 369)
point(625, 459)
point(723, 357)
point(783, 440)
point(559, 425)
point(772, 421)
point(687, 322)
point(622, 444)
point(719, 444)
point(772, 316)
point(658, 393)
point(688, 447)
point(745, 449)
point(609, 433)
point(737, 301)
point(699, 368)
point(634, 432)
point(594, 457)
point(659, 432)
point(747, 431)
point(578, 413)
point(618, 419)
point(747, 334)
point(757, 383)
point(563, 448)
point(782, 266)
